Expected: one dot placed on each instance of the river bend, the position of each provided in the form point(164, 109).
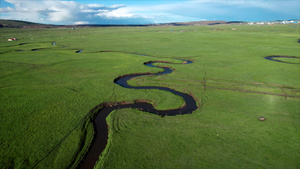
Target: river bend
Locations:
point(100, 125)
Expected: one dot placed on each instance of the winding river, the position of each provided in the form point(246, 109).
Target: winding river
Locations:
point(100, 125)
point(273, 58)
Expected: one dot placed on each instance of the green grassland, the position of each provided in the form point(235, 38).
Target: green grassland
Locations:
point(47, 97)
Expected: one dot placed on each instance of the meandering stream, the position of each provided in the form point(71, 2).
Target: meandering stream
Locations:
point(100, 125)
point(273, 58)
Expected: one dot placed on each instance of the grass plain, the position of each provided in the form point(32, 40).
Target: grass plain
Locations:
point(47, 95)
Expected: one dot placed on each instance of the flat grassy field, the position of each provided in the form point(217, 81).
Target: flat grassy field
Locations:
point(47, 96)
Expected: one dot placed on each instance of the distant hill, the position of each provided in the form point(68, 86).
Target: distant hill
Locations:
point(26, 24)
point(197, 23)
point(20, 24)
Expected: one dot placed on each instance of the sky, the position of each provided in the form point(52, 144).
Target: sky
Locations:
point(67, 12)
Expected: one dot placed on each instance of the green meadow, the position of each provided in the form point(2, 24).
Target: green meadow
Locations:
point(47, 96)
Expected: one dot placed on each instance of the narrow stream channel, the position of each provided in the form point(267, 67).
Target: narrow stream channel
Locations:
point(273, 58)
point(100, 125)
point(79, 51)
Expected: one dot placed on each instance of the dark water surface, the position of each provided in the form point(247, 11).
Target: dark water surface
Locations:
point(100, 125)
point(273, 58)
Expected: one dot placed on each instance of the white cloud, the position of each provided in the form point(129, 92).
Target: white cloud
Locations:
point(118, 13)
point(81, 23)
point(71, 12)
point(64, 12)
point(6, 10)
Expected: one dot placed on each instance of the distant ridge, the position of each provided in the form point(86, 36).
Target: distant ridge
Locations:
point(203, 23)
point(26, 24)
point(21, 24)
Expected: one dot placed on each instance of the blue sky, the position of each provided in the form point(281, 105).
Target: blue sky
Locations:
point(147, 11)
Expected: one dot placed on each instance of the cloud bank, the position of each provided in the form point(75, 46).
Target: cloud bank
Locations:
point(63, 12)
point(74, 12)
